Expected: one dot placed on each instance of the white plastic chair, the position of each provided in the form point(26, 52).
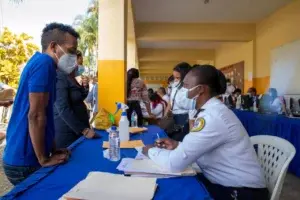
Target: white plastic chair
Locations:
point(275, 155)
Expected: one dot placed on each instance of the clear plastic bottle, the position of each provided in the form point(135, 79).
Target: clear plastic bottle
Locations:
point(114, 144)
point(134, 119)
point(124, 127)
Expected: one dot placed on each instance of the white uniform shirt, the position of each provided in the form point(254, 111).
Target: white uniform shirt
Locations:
point(277, 105)
point(158, 111)
point(166, 98)
point(221, 147)
point(180, 101)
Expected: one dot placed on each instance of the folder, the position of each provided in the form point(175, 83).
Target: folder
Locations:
point(135, 130)
point(126, 144)
point(99, 185)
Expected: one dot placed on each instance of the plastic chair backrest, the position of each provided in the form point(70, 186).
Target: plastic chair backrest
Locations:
point(275, 155)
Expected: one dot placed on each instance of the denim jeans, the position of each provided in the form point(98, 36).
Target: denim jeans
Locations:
point(16, 174)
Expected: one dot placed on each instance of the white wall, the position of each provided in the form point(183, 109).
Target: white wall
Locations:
point(285, 68)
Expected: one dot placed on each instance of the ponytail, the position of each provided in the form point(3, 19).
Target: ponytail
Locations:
point(222, 83)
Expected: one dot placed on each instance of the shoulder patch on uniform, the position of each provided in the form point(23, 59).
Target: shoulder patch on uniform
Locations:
point(198, 124)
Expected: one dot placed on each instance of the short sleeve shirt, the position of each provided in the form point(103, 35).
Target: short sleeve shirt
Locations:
point(38, 76)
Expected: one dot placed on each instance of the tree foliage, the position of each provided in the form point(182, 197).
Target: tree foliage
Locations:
point(87, 27)
point(15, 50)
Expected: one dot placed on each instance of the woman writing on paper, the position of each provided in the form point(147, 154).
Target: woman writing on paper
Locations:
point(218, 142)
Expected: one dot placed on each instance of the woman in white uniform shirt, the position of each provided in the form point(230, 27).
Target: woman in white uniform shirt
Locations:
point(218, 143)
point(178, 100)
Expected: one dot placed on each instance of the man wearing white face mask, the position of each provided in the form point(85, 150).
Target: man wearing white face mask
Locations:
point(218, 143)
point(30, 133)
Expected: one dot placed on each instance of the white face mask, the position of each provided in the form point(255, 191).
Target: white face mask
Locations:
point(191, 105)
point(175, 83)
point(67, 62)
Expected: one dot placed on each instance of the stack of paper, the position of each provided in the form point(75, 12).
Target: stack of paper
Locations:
point(99, 185)
point(147, 167)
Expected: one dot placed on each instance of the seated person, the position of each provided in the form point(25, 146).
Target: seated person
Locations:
point(218, 143)
point(158, 106)
point(276, 104)
point(253, 94)
point(235, 95)
point(71, 117)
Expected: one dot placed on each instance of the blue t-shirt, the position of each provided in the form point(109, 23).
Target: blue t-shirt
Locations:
point(38, 76)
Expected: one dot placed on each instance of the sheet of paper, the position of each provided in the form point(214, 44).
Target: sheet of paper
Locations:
point(140, 155)
point(147, 166)
point(99, 185)
point(127, 144)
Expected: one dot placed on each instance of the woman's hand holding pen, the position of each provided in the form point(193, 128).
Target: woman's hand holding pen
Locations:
point(166, 143)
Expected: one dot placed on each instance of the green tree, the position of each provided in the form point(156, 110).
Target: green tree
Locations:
point(87, 27)
point(15, 50)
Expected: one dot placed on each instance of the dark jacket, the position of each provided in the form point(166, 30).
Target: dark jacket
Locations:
point(70, 112)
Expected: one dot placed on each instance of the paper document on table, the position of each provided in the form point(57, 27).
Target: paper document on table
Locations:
point(127, 144)
point(140, 155)
point(99, 185)
point(147, 166)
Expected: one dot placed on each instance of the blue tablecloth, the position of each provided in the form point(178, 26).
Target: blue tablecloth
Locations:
point(277, 125)
point(87, 155)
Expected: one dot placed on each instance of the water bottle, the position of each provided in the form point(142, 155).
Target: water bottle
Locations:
point(124, 127)
point(134, 119)
point(238, 102)
point(114, 144)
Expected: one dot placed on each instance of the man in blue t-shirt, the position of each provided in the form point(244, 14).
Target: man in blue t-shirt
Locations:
point(30, 132)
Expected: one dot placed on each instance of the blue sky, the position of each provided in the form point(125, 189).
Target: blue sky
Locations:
point(31, 16)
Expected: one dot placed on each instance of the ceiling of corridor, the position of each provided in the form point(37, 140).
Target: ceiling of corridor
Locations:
point(196, 11)
point(170, 30)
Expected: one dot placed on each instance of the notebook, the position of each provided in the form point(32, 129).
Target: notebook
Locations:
point(99, 185)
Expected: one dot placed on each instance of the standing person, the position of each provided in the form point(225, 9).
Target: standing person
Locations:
point(136, 93)
point(71, 117)
point(30, 132)
point(218, 143)
point(163, 94)
point(81, 68)
point(178, 100)
point(92, 97)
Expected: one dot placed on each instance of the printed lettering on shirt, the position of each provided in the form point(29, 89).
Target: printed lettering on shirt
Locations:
point(198, 124)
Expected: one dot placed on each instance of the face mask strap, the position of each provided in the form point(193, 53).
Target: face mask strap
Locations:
point(61, 49)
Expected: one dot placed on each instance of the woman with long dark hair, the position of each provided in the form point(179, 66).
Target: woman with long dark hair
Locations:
point(136, 92)
point(178, 100)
